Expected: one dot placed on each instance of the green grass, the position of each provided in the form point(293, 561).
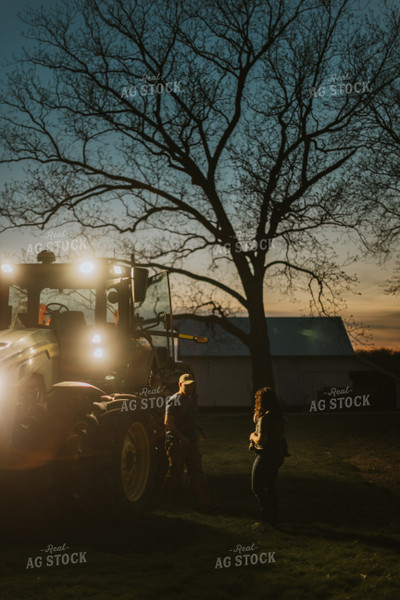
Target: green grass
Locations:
point(339, 538)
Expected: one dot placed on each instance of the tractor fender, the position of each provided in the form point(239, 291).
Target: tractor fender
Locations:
point(114, 405)
point(73, 397)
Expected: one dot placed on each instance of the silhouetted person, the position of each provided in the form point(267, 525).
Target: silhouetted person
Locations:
point(269, 443)
point(181, 444)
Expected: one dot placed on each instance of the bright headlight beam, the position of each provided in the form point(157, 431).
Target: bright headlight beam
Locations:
point(86, 268)
point(96, 339)
point(6, 268)
point(117, 270)
point(98, 353)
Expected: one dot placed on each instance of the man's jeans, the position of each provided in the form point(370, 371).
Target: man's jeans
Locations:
point(179, 454)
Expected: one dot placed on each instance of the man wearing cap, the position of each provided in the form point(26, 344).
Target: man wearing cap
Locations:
point(181, 443)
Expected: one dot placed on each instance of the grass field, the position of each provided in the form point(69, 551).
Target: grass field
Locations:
point(339, 537)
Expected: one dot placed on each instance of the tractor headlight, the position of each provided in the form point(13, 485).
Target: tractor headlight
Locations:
point(97, 346)
point(86, 268)
point(6, 268)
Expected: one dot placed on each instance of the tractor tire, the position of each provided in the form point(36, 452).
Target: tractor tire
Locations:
point(68, 473)
point(119, 463)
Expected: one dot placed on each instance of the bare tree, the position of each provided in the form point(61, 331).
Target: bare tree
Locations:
point(211, 131)
point(379, 185)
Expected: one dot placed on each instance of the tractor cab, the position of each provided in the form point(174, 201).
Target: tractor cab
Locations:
point(86, 321)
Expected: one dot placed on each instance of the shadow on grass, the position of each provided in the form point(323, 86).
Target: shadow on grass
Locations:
point(40, 526)
point(316, 504)
point(169, 555)
point(316, 530)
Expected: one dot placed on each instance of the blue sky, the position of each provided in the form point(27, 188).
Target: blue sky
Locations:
point(370, 305)
point(10, 25)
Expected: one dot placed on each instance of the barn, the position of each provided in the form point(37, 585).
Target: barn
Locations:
point(313, 360)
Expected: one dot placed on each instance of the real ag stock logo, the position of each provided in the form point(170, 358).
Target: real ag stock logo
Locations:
point(151, 86)
point(244, 556)
point(339, 399)
point(338, 85)
point(57, 242)
point(243, 245)
point(147, 399)
point(55, 556)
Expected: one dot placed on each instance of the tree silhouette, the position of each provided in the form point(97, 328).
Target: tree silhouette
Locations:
point(221, 135)
point(379, 186)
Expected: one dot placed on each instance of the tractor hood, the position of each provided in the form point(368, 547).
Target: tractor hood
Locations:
point(18, 345)
point(26, 356)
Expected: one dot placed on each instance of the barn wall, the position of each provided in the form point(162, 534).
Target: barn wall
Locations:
point(289, 380)
point(222, 381)
point(226, 381)
point(298, 378)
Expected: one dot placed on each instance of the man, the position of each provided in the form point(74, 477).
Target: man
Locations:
point(181, 444)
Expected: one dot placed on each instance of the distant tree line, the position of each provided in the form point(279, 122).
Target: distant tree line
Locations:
point(383, 357)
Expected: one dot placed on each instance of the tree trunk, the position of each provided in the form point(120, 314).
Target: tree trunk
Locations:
point(261, 360)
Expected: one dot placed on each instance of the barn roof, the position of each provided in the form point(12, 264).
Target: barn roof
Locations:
point(289, 336)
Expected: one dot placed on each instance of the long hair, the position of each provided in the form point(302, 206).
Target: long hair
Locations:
point(267, 401)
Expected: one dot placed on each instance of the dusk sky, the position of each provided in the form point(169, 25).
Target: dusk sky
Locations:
point(370, 305)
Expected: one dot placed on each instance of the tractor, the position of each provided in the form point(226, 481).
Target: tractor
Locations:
point(87, 362)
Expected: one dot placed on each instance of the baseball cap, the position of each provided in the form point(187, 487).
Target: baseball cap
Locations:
point(186, 378)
